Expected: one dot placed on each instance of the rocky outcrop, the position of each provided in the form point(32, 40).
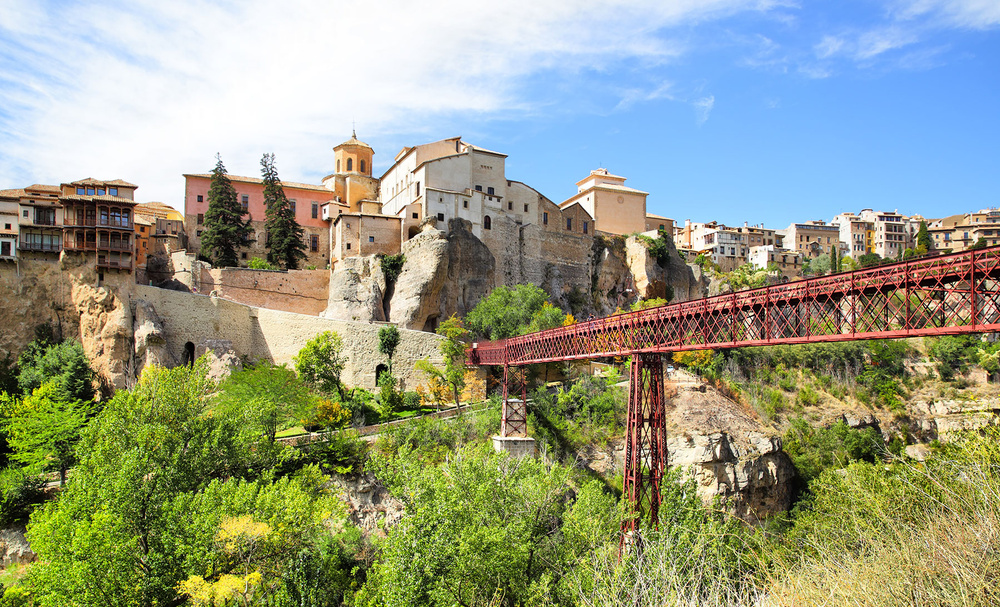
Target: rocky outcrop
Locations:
point(370, 505)
point(106, 332)
point(444, 274)
point(149, 338)
point(944, 419)
point(14, 548)
point(357, 286)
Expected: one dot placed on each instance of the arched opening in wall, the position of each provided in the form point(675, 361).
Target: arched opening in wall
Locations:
point(413, 231)
point(188, 358)
point(362, 165)
point(338, 165)
point(350, 164)
point(379, 370)
point(431, 324)
point(487, 222)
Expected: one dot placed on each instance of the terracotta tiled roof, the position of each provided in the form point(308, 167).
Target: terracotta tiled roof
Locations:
point(114, 182)
point(16, 193)
point(354, 141)
point(105, 198)
point(41, 187)
point(143, 219)
point(287, 184)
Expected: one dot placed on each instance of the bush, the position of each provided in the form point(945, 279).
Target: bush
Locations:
point(20, 492)
point(814, 450)
point(256, 263)
point(808, 396)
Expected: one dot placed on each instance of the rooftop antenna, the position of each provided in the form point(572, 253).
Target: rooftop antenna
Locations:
point(354, 131)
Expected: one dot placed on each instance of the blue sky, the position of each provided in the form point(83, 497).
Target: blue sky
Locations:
point(735, 110)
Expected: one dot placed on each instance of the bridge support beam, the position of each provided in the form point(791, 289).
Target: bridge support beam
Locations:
point(645, 444)
point(513, 437)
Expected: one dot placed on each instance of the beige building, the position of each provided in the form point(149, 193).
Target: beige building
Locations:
point(959, 232)
point(789, 263)
point(615, 207)
point(8, 228)
point(856, 234)
point(890, 233)
point(812, 238)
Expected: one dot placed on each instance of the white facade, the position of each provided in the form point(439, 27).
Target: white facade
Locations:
point(890, 232)
point(8, 229)
point(853, 234)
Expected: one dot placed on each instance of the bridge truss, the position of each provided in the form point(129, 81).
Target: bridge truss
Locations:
point(942, 295)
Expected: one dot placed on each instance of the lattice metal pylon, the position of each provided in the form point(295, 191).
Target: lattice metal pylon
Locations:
point(645, 444)
point(514, 418)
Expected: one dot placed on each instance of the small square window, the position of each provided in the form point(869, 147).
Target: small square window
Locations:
point(198, 233)
point(489, 191)
point(201, 198)
point(440, 216)
point(348, 246)
point(243, 256)
point(416, 216)
point(371, 239)
point(465, 204)
point(112, 191)
point(479, 188)
point(100, 191)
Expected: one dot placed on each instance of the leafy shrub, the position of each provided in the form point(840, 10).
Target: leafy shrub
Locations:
point(392, 266)
point(20, 492)
point(808, 396)
point(814, 450)
point(256, 263)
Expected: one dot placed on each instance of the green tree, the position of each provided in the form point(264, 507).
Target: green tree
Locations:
point(388, 341)
point(44, 431)
point(979, 244)
point(256, 263)
point(321, 361)
point(64, 364)
point(285, 244)
point(264, 397)
point(225, 230)
point(507, 312)
point(159, 476)
point(869, 259)
point(453, 348)
point(834, 260)
point(924, 237)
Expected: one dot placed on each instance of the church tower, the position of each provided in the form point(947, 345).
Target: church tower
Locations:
point(353, 157)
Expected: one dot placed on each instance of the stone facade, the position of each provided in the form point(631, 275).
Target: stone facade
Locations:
point(301, 291)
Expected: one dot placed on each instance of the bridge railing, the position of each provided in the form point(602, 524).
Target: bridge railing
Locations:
point(945, 294)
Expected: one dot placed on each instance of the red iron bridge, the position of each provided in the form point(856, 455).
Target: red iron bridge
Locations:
point(941, 295)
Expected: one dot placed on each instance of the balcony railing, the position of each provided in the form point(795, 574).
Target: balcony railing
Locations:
point(115, 264)
point(77, 222)
point(115, 246)
point(46, 247)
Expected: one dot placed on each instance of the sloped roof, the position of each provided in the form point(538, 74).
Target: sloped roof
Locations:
point(287, 184)
point(92, 181)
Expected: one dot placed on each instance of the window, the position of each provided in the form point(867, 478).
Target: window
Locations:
point(243, 255)
point(338, 165)
point(201, 198)
point(348, 246)
point(585, 227)
point(363, 166)
point(291, 205)
point(100, 191)
point(416, 216)
point(245, 205)
point(79, 191)
point(510, 206)
point(487, 222)
point(350, 164)
point(479, 188)
point(371, 239)
point(112, 191)
point(6, 226)
point(201, 218)
point(569, 223)
point(5, 248)
point(545, 218)
point(440, 216)
point(315, 210)
point(465, 204)
point(24, 213)
point(489, 191)
point(90, 191)
point(198, 233)
point(314, 243)
point(663, 227)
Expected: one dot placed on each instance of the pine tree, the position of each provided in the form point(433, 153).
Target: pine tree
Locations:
point(924, 237)
point(285, 244)
point(225, 231)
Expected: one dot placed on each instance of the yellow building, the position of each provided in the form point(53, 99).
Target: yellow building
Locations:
point(615, 207)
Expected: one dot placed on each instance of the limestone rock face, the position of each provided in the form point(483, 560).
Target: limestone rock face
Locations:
point(150, 339)
point(357, 286)
point(106, 331)
point(444, 274)
point(14, 548)
point(751, 474)
point(613, 285)
point(649, 277)
point(222, 358)
point(371, 507)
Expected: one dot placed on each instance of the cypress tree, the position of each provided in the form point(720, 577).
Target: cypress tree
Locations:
point(924, 237)
point(225, 231)
point(285, 244)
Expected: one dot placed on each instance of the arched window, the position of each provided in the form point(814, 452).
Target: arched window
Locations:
point(362, 166)
point(350, 164)
point(338, 165)
point(487, 222)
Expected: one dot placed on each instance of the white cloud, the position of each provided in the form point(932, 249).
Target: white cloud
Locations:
point(829, 46)
point(146, 90)
point(975, 14)
point(702, 108)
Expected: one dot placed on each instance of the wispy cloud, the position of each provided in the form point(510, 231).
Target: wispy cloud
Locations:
point(974, 14)
point(146, 90)
point(702, 108)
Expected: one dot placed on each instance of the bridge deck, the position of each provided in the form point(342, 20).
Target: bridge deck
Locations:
point(946, 294)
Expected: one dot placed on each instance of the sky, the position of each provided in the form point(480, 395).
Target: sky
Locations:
point(764, 111)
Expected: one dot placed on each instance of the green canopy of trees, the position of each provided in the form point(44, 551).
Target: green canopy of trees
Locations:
point(286, 246)
point(507, 312)
point(226, 232)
